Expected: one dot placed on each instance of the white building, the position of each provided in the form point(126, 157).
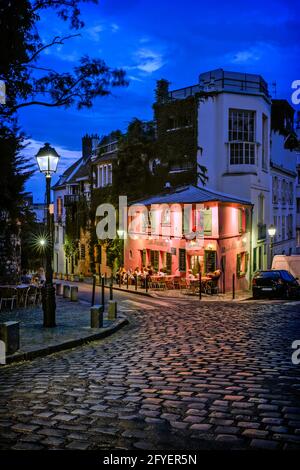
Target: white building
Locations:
point(234, 136)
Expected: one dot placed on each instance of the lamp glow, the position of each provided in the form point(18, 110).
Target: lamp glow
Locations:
point(272, 231)
point(47, 160)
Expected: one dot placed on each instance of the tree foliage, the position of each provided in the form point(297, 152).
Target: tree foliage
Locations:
point(27, 82)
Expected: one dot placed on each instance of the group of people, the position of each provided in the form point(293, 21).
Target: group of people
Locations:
point(37, 278)
point(133, 274)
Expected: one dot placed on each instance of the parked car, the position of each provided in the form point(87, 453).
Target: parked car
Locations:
point(275, 283)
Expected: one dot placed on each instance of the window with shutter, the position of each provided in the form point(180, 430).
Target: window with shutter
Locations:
point(207, 221)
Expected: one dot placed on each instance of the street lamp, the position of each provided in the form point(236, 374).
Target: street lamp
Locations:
point(47, 160)
point(272, 233)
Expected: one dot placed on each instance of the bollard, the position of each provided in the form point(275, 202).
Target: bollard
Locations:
point(120, 280)
point(112, 310)
point(127, 281)
point(136, 281)
point(58, 288)
point(146, 283)
point(10, 335)
point(233, 286)
point(97, 316)
point(67, 291)
point(74, 294)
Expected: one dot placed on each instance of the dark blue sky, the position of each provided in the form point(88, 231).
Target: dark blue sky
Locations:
point(154, 39)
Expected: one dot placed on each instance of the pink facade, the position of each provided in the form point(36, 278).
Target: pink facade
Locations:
point(223, 240)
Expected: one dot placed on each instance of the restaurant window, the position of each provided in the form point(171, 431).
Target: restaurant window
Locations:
point(166, 216)
point(182, 260)
point(195, 264)
point(210, 261)
point(207, 221)
point(242, 264)
point(241, 137)
point(154, 259)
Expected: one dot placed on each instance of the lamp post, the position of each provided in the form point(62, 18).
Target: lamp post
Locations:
point(272, 233)
point(47, 160)
point(121, 235)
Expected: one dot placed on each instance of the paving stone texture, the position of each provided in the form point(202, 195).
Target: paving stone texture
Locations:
point(192, 376)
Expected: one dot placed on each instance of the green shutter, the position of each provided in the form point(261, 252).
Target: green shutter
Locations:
point(238, 264)
point(169, 263)
point(182, 260)
point(207, 221)
point(240, 214)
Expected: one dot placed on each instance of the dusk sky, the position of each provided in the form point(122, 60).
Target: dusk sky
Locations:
point(175, 40)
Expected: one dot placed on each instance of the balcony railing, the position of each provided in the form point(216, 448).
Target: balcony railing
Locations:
point(261, 231)
point(71, 199)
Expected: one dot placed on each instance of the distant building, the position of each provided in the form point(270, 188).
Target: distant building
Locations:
point(39, 209)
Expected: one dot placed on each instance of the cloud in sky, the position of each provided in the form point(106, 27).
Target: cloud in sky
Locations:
point(148, 60)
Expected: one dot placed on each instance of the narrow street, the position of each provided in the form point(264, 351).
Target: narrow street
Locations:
point(181, 375)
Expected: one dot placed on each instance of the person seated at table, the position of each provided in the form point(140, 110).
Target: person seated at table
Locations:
point(190, 275)
point(161, 273)
point(150, 270)
point(42, 276)
point(25, 277)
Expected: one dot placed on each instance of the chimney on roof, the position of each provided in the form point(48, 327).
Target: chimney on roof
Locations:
point(89, 144)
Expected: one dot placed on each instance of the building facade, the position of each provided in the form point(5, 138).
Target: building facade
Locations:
point(245, 153)
point(188, 229)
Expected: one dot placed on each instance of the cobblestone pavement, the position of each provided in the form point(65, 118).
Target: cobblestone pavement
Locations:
point(186, 376)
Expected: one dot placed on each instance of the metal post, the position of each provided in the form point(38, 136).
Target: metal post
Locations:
point(136, 281)
point(120, 280)
point(102, 291)
point(127, 281)
point(233, 286)
point(271, 251)
point(94, 289)
point(48, 290)
point(146, 282)
point(200, 282)
point(111, 287)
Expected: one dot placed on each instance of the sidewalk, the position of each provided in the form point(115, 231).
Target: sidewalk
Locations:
point(73, 329)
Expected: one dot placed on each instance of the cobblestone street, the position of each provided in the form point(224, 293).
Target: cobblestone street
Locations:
point(188, 376)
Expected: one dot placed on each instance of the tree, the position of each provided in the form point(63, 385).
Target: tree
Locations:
point(131, 173)
point(28, 83)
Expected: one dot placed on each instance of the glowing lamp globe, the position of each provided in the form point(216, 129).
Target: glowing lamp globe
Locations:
point(47, 160)
point(272, 231)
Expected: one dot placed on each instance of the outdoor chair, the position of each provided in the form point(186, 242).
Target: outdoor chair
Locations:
point(8, 294)
point(31, 296)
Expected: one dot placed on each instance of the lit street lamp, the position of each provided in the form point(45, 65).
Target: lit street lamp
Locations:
point(47, 159)
point(272, 233)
